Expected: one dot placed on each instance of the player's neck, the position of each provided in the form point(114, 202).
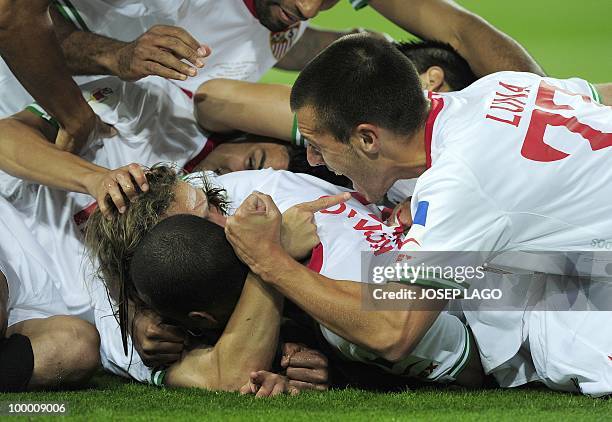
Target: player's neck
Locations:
point(409, 155)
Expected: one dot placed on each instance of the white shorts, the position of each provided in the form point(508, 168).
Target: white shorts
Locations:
point(572, 351)
point(439, 357)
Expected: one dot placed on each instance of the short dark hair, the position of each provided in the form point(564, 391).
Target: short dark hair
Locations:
point(361, 79)
point(425, 54)
point(185, 263)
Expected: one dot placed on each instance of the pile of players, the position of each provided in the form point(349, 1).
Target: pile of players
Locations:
point(163, 220)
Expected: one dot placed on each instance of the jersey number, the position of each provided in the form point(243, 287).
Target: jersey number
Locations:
point(534, 147)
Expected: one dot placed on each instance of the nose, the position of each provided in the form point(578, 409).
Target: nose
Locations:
point(309, 8)
point(314, 157)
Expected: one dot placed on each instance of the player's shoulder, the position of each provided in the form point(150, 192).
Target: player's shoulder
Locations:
point(492, 81)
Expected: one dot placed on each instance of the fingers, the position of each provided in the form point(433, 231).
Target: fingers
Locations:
point(257, 203)
point(64, 140)
point(170, 333)
point(247, 388)
point(289, 349)
point(314, 376)
point(128, 188)
point(301, 386)
point(325, 202)
point(308, 359)
point(269, 384)
point(181, 43)
point(112, 190)
point(137, 172)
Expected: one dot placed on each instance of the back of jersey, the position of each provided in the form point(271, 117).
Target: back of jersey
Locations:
point(535, 150)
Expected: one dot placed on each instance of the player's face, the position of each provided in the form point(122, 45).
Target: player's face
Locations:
point(278, 15)
point(342, 158)
point(191, 200)
point(230, 157)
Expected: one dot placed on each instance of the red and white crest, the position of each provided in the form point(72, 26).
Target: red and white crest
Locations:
point(281, 42)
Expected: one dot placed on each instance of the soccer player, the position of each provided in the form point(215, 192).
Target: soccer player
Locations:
point(41, 347)
point(518, 124)
point(224, 105)
point(446, 350)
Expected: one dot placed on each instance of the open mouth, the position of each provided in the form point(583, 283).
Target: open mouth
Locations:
point(287, 18)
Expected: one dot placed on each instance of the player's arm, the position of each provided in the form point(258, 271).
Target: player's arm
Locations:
point(159, 51)
point(335, 304)
point(223, 105)
point(26, 153)
point(485, 48)
point(30, 48)
point(248, 344)
point(605, 93)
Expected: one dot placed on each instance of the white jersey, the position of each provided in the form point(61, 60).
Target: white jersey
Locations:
point(516, 163)
point(155, 123)
point(29, 271)
point(345, 231)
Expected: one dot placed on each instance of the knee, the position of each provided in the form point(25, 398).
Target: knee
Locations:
point(78, 344)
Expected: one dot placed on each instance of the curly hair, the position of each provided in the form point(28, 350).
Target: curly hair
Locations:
point(111, 243)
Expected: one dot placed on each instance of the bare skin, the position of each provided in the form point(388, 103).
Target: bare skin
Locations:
point(55, 364)
point(30, 48)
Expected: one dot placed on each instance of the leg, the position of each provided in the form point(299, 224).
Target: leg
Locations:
point(66, 350)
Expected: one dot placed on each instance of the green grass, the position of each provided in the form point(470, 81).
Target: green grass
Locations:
point(568, 38)
point(111, 399)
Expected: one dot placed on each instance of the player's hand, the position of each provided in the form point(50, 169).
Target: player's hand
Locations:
point(158, 344)
point(306, 368)
point(160, 51)
point(74, 138)
point(298, 230)
point(268, 384)
point(112, 187)
point(254, 230)
point(401, 215)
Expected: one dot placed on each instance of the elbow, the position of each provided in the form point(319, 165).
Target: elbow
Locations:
point(208, 99)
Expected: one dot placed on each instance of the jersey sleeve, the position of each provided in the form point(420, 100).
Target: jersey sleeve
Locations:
point(454, 225)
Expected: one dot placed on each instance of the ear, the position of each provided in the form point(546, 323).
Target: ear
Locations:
point(203, 319)
point(434, 79)
point(367, 138)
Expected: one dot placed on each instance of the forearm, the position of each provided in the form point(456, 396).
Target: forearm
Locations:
point(338, 305)
point(485, 48)
point(223, 105)
point(30, 48)
point(26, 154)
point(605, 93)
point(248, 344)
point(85, 53)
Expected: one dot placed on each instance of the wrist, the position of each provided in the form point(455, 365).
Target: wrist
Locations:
point(277, 263)
point(110, 58)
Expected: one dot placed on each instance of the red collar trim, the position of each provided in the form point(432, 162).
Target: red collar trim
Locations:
point(250, 4)
point(211, 143)
point(437, 104)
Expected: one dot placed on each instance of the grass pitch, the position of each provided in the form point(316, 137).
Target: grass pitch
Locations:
point(568, 38)
point(110, 398)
